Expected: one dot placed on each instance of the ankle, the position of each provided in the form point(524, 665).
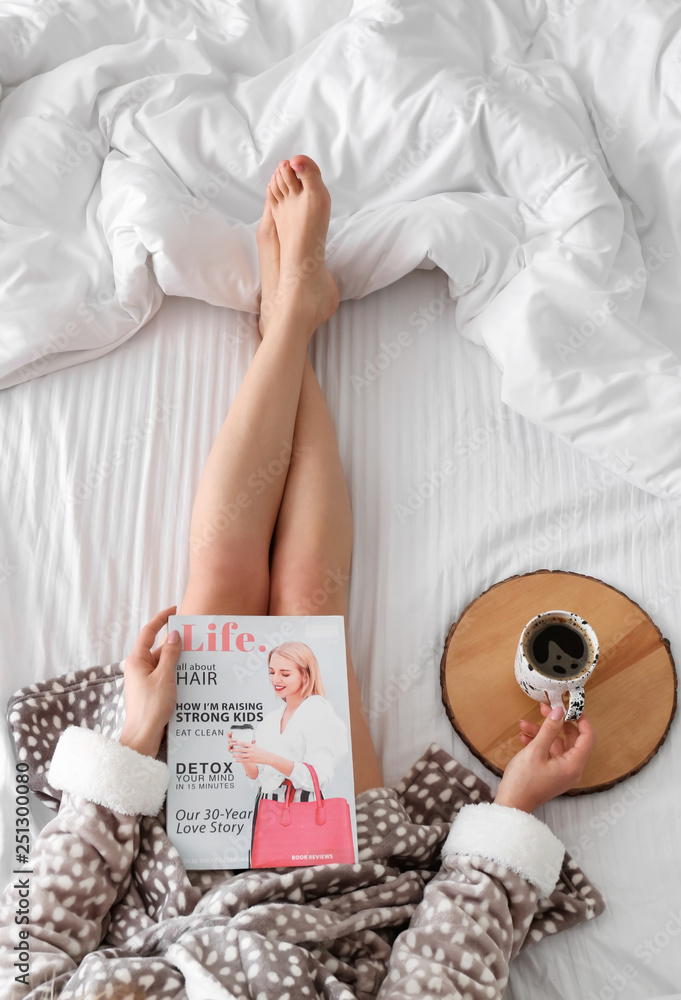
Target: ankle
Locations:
point(295, 318)
point(298, 303)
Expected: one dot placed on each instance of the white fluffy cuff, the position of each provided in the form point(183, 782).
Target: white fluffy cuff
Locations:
point(514, 839)
point(102, 770)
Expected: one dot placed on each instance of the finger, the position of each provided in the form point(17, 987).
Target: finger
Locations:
point(531, 728)
point(557, 748)
point(549, 731)
point(169, 655)
point(570, 734)
point(525, 738)
point(148, 633)
point(578, 754)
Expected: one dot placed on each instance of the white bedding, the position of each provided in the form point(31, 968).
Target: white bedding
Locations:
point(100, 460)
point(508, 143)
point(80, 575)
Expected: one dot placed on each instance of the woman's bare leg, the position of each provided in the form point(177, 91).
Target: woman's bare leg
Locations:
point(243, 484)
point(240, 492)
point(312, 549)
point(312, 544)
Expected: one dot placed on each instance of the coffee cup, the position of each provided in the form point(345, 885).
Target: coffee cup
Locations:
point(556, 655)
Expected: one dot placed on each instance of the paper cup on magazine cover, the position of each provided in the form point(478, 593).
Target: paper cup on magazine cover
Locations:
point(556, 655)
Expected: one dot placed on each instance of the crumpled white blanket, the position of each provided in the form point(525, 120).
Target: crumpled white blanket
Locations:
point(508, 143)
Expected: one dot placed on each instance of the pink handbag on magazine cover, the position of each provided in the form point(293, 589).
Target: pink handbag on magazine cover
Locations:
point(289, 833)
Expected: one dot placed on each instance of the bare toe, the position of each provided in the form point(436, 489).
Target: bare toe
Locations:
point(289, 178)
point(276, 187)
point(307, 170)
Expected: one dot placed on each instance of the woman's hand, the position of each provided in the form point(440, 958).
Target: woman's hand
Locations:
point(150, 688)
point(549, 764)
point(249, 753)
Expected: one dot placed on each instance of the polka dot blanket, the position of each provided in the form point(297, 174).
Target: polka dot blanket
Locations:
point(448, 889)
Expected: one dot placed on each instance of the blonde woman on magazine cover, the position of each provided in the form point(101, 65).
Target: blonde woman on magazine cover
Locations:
point(90, 907)
point(304, 729)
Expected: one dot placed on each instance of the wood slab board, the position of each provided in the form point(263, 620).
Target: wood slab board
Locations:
point(630, 697)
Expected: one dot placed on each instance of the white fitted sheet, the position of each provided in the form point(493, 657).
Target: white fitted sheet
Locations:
point(503, 140)
point(78, 579)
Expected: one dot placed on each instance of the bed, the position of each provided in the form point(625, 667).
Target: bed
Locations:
point(455, 482)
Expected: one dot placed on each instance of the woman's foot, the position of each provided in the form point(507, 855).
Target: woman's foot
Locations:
point(300, 206)
point(268, 253)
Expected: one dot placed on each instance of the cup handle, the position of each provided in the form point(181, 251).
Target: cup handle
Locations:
point(576, 706)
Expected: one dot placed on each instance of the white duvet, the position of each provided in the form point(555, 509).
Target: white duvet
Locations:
point(530, 150)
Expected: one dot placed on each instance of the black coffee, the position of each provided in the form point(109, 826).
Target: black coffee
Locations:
point(558, 651)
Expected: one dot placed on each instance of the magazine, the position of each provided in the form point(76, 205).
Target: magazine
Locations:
point(259, 746)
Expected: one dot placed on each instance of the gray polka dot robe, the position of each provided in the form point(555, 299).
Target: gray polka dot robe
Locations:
point(448, 889)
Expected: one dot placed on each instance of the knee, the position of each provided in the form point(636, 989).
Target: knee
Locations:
point(223, 586)
point(308, 586)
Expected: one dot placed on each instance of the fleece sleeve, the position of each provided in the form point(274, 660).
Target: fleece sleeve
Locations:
point(497, 862)
point(57, 909)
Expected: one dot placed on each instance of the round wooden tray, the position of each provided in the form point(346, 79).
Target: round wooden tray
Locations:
point(630, 697)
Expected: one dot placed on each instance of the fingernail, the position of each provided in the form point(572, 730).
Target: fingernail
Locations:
point(558, 713)
point(174, 636)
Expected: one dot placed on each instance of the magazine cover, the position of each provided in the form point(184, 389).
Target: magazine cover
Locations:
point(259, 745)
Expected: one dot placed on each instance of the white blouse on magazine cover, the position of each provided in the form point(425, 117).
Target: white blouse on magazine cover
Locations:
point(314, 734)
